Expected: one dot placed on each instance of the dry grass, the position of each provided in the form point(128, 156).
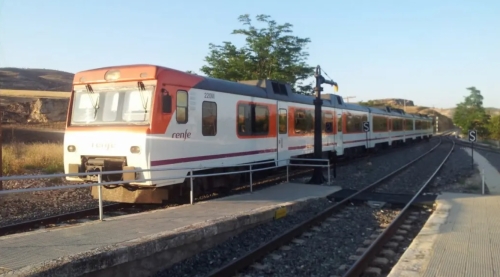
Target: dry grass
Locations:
point(34, 93)
point(19, 158)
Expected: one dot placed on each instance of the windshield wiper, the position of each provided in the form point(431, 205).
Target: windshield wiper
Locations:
point(144, 101)
point(90, 91)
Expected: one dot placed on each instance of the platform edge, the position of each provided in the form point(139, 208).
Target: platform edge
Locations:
point(415, 259)
point(114, 256)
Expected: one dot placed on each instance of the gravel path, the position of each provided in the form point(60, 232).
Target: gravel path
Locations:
point(314, 254)
point(410, 180)
point(492, 157)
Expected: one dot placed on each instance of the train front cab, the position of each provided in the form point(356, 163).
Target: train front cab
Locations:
point(111, 114)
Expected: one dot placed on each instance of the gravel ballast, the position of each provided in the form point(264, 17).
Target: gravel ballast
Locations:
point(362, 173)
point(20, 207)
point(458, 175)
point(314, 254)
point(411, 179)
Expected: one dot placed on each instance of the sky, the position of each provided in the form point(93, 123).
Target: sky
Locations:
point(425, 51)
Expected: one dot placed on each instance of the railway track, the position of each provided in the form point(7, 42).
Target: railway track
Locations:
point(312, 227)
point(117, 209)
point(376, 247)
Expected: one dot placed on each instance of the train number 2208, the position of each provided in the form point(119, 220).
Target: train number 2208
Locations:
point(209, 95)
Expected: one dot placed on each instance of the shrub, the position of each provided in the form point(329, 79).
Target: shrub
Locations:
point(19, 158)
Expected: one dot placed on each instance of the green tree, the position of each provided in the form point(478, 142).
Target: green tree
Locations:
point(494, 127)
point(470, 114)
point(271, 52)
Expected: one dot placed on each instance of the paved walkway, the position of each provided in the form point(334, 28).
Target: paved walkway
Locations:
point(461, 238)
point(26, 249)
point(491, 175)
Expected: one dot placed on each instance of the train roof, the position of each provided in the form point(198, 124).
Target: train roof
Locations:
point(265, 88)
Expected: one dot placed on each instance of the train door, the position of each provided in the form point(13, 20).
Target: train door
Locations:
point(282, 137)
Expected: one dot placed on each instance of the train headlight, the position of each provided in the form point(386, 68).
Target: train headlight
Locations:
point(112, 75)
point(71, 148)
point(135, 149)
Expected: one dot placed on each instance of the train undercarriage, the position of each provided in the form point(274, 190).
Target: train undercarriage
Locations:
point(223, 182)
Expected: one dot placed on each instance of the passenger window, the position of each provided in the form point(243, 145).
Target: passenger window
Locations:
point(209, 118)
point(261, 120)
point(182, 107)
point(328, 123)
point(282, 121)
point(252, 120)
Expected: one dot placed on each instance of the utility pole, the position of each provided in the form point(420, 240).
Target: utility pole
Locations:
point(1, 154)
point(349, 97)
point(317, 177)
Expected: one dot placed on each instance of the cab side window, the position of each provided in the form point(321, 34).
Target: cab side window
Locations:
point(182, 107)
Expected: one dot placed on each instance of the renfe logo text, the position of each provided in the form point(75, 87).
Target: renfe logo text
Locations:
point(184, 135)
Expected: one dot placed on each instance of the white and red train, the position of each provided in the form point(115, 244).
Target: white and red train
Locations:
point(153, 117)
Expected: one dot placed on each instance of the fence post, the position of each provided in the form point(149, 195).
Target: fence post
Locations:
point(191, 193)
point(99, 180)
point(482, 178)
point(251, 181)
point(328, 172)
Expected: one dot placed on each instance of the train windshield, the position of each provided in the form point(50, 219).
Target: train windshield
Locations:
point(112, 106)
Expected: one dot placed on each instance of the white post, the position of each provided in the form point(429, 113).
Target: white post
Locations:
point(99, 189)
point(482, 185)
point(191, 196)
point(328, 172)
point(251, 181)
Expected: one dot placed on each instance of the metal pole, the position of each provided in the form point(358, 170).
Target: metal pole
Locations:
point(251, 181)
point(366, 141)
point(482, 185)
point(328, 172)
point(318, 177)
point(472, 154)
point(99, 189)
point(191, 196)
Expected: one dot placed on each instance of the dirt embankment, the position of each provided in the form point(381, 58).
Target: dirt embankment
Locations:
point(18, 110)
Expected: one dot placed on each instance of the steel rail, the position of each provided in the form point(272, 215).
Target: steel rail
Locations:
point(255, 254)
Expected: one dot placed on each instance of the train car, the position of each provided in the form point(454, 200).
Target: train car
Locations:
point(175, 124)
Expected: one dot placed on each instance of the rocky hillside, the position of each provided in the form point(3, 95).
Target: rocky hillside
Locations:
point(444, 115)
point(41, 110)
point(34, 95)
point(393, 102)
point(35, 79)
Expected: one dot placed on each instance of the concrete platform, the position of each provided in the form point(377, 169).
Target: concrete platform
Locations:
point(141, 244)
point(461, 238)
